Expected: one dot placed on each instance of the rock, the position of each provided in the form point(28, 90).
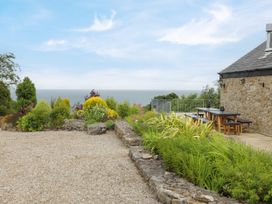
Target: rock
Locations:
point(171, 194)
point(96, 129)
point(146, 156)
point(7, 126)
point(156, 157)
point(179, 201)
point(204, 198)
point(126, 133)
point(163, 197)
point(156, 183)
point(74, 124)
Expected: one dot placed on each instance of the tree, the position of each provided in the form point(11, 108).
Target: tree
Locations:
point(26, 95)
point(210, 95)
point(5, 99)
point(170, 96)
point(8, 69)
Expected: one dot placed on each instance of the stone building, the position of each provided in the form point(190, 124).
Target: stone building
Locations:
point(246, 86)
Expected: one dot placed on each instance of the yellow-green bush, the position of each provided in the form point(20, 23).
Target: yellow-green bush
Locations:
point(93, 101)
point(111, 102)
point(79, 114)
point(60, 112)
point(97, 113)
point(112, 114)
point(66, 101)
point(138, 121)
point(96, 110)
point(37, 119)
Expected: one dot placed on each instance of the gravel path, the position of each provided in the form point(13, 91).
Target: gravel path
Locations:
point(68, 167)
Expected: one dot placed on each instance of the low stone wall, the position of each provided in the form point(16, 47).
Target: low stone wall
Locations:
point(168, 187)
point(126, 133)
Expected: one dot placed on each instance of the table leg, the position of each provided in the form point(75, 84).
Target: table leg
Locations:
point(219, 120)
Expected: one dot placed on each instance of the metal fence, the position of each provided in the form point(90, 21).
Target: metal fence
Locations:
point(181, 105)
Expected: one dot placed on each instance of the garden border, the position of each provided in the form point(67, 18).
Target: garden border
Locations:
point(168, 187)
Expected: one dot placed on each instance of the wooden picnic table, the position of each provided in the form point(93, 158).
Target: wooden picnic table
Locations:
point(207, 112)
point(219, 117)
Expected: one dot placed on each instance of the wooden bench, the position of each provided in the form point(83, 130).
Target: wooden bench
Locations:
point(244, 121)
point(192, 115)
point(197, 118)
point(232, 125)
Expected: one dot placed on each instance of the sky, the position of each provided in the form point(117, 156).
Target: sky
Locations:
point(131, 44)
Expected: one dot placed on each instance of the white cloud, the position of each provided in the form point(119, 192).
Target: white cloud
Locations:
point(206, 30)
point(115, 78)
point(55, 42)
point(53, 45)
point(87, 45)
point(99, 24)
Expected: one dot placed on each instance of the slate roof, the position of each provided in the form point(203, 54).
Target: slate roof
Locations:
point(255, 60)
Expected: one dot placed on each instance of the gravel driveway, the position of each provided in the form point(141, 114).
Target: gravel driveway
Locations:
point(68, 167)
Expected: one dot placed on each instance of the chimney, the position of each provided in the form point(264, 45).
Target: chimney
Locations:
point(269, 38)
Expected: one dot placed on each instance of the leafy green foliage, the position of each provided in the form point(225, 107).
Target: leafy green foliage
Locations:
point(37, 119)
point(60, 112)
point(211, 95)
point(26, 95)
point(110, 124)
point(123, 109)
point(5, 99)
point(14, 107)
point(138, 121)
point(135, 109)
point(96, 113)
point(8, 69)
point(168, 96)
point(111, 102)
point(206, 158)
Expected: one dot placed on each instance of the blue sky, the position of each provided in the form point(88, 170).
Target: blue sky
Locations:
point(132, 44)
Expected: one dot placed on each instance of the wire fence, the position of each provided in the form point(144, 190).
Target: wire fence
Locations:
point(182, 105)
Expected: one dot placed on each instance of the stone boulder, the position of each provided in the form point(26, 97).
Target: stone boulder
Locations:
point(74, 124)
point(7, 127)
point(96, 129)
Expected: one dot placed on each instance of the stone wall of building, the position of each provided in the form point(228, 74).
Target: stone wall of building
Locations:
point(252, 97)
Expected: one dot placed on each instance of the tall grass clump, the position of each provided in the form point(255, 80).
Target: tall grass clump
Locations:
point(209, 160)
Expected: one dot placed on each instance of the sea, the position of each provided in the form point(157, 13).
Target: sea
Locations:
point(142, 97)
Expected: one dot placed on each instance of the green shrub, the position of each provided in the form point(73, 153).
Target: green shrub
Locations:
point(209, 160)
point(111, 102)
point(79, 114)
point(60, 112)
point(5, 99)
point(29, 123)
point(37, 119)
point(97, 113)
point(123, 109)
point(26, 95)
point(138, 121)
point(14, 107)
point(110, 124)
point(135, 109)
